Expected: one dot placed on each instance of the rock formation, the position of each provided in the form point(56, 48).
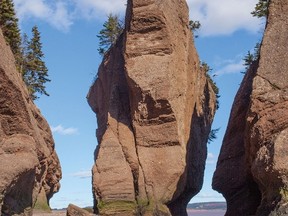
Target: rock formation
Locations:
point(252, 169)
point(29, 163)
point(154, 110)
point(73, 210)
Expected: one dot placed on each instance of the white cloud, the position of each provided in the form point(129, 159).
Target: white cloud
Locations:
point(82, 174)
point(223, 17)
point(233, 66)
point(210, 158)
point(99, 8)
point(217, 17)
point(64, 131)
point(55, 12)
point(210, 155)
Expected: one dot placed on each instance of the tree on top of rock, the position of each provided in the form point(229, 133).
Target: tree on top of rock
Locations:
point(35, 72)
point(194, 26)
point(10, 29)
point(261, 9)
point(108, 36)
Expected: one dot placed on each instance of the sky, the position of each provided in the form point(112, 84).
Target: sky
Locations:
point(68, 33)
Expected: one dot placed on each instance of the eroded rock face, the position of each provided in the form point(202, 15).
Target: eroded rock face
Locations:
point(73, 210)
point(29, 163)
point(252, 168)
point(154, 109)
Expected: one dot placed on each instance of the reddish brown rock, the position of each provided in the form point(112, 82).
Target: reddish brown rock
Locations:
point(154, 109)
point(28, 162)
point(73, 210)
point(252, 169)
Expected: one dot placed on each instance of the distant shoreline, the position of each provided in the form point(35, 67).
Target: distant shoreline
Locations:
point(205, 208)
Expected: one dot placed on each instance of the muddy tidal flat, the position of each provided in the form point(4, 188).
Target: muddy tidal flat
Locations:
point(190, 213)
point(53, 213)
point(205, 212)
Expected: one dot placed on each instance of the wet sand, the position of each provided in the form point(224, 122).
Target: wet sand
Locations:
point(190, 213)
point(206, 212)
point(53, 213)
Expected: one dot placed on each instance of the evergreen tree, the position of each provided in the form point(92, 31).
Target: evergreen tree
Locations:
point(194, 26)
point(108, 36)
point(261, 9)
point(213, 135)
point(9, 26)
point(248, 60)
point(35, 71)
point(251, 57)
point(206, 68)
point(257, 51)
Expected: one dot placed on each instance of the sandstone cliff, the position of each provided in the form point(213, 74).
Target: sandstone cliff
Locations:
point(29, 166)
point(154, 110)
point(252, 169)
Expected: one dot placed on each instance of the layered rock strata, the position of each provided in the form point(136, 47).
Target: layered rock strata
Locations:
point(252, 169)
point(29, 165)
point(154, 110)
point(73, 210)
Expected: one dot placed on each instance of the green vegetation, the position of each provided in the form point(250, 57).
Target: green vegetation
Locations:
point(284, 194)
point(10, 29)
point(108, 36)
point(28, 54)
point(34, 70)
point(116, 206)
point(252, 57)
point(194, 26)
point(205, 67)
point(213, 135)
point(140, 208)
point(261, 9)
point(151, 207)
point(41, 202)
point(42, 205)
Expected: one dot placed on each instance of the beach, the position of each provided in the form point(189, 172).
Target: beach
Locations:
point(189, 211)
point(205, 212)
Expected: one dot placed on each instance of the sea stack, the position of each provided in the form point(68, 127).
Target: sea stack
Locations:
point(30, 170)
point(252, 169)
point(154, 107)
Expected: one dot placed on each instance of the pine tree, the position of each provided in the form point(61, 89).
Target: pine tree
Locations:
point(248, 60)
point(206, 68)
point(108, 36)
point(251, 57)
point(213, 135)
point(261, 9)
point(194, 26)
point(9, 26)
point(35, 71)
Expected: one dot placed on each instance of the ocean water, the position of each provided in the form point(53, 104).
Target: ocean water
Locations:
point(206, 212)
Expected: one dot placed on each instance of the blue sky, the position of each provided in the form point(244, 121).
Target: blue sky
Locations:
point(69, 28)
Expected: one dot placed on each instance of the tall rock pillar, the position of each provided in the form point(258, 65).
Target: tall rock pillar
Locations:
point(252, 169)
point(154, 110)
